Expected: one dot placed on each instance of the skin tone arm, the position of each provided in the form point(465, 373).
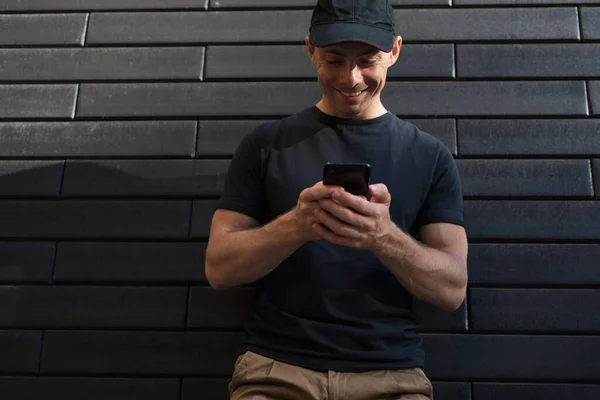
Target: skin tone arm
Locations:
point(240, 251)
point(434, 271)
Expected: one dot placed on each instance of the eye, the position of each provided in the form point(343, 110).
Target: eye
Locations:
point(369, 62)
point(333, 61)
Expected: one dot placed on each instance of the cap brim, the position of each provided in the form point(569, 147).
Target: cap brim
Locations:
point(328, 34)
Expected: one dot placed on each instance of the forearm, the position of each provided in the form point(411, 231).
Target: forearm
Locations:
point(242, 257)
point(431, 275)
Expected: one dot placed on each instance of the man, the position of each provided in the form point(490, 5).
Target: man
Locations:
point(336, 274)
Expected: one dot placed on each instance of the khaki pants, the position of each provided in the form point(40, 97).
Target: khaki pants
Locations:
point(261, 378)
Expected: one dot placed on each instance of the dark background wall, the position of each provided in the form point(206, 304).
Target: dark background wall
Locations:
point(117, 121)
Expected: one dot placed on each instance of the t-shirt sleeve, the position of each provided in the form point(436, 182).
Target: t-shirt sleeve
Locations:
point(243, 189)
point(444, 201)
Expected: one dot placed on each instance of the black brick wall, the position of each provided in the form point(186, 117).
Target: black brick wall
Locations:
point(117, 122)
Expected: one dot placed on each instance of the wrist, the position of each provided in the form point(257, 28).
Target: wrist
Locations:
point(290, 229)
point(390, 237)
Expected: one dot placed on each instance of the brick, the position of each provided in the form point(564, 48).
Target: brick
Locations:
point(130, 262)
point(528, 60)
point(226, 4)
point(458, 24)
point(442, 129)
point(546, 391)
point(225, 62)
point(68, 5)
point(519, 2)
point(594, 92)
point(20, 351)
point(26, 261)
point(516, 178)
point(101, 64)
point(539, 310)
point(145, 178)
point(596, 175)
point(424, 61)
point(68, 219)
point(50, 388)
point(205, 99)
point(221, 138)
point(98, 139)
point(285, 98)
point(266, 62)
point(209, 388)
point(435, 320)
point(214, 310)
point(495, 219)
point(198, 27)
point(92, 307)
point(511, 357)
point(485, 98)
point(452, 390)
point(37, 101)
point(139, 353)
point(42, 29)
point(589, 22)
point(529, 137)
point(30, 178)
point(292, 26)
point(401, 3)
point(534, 264)
point(203, 211)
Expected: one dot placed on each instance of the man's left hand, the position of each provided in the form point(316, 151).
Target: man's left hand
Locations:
point(353, 221)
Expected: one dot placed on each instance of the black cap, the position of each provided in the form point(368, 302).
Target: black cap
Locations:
point(366, 21)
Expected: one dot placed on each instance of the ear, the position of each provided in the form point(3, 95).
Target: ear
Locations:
point(395, 53)
point(311, 49)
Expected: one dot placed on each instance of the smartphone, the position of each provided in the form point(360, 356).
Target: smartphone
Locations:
point(353, 177)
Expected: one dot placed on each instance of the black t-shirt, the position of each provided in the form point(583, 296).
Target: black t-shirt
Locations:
point(329, 307)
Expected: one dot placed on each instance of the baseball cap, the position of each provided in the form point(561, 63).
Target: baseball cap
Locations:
point(366, 21)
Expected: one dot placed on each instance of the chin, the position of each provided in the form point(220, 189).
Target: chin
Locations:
point(354, 110)
point(352, 113)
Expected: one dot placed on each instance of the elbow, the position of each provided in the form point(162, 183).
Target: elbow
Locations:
point(215, 280)
point(455, 295)
point(454, 299)
point(213, 271)
point(453, 302)
point(447, 299)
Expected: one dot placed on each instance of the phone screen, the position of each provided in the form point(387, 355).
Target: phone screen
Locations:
point(353, 177)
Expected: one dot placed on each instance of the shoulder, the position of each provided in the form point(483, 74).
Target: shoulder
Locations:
point(421, 142)
point(283, 132)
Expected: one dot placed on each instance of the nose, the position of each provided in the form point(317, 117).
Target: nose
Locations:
point(352, 76)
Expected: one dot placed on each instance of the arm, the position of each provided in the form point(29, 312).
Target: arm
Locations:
point(240, 251)
point(434, 271)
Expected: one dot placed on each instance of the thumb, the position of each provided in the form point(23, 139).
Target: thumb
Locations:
point(380, 194)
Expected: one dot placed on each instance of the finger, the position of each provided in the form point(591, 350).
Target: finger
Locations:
point(380, 194)
point(337, 226)
point(357, 203)
point(330, 236)
point(318, 192)
point(345, 214)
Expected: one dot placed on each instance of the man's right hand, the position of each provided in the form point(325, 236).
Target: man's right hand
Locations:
point(304, 214)
point(240, 251)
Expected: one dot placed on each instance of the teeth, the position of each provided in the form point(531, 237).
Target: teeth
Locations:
point(347, 94)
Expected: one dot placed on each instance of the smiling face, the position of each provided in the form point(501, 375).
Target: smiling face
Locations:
point(351, 76)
